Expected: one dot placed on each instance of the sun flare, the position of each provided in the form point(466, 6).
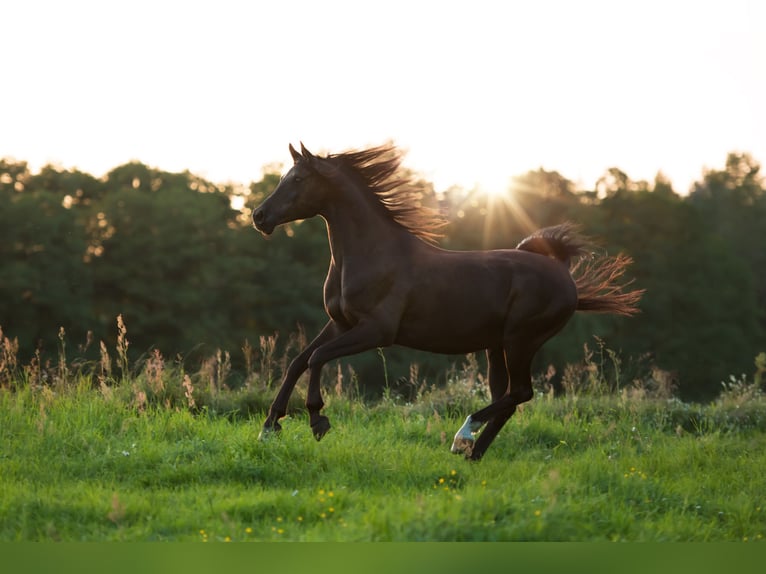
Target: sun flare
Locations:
point(503, 210)
point(495, 189)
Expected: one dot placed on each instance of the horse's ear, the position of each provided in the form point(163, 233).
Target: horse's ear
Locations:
point(306, 153)
point(318, 163)
point(296, 156)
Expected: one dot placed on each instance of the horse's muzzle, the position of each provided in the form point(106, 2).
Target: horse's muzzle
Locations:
point(261, 222)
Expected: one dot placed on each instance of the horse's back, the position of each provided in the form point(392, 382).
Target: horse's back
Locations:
point(498, 275)
point(461, 301)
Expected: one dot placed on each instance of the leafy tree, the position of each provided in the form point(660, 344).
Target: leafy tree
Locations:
point(699, 313)
point(44, 282)
point(13, 176)
point(732, 203)
point(159, 258)
point(189, 273)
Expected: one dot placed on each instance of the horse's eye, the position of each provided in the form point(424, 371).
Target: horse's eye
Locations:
point(298, 179)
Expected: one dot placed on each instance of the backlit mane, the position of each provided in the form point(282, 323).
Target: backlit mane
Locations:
point(379, 169)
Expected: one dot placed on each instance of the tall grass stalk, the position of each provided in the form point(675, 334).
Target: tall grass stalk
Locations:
point(122, 348)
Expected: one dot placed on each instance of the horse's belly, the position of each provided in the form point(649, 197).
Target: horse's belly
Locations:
point(451, 331)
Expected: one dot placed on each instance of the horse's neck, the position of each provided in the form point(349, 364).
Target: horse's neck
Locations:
point(361, 229)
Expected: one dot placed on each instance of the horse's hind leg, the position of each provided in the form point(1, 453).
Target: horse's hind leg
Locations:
point(498, 388)
point(489, 433)
point(499, 382)
point(518, 363)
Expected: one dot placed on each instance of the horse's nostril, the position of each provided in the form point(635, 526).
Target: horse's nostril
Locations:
point(258, 217)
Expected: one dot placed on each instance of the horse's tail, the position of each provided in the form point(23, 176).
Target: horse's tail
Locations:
point(598, 287)
point(562, 242)
point(596, 276)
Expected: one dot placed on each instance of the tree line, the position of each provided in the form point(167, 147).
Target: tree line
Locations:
point(170, 254)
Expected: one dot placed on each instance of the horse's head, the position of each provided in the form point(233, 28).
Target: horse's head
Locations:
point(301, 193)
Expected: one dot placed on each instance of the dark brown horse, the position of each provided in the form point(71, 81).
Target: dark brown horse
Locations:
point(389, 284)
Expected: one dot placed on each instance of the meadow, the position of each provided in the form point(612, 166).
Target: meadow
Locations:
point(153, 453)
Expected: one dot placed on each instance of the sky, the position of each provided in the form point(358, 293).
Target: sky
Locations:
point(475, 92)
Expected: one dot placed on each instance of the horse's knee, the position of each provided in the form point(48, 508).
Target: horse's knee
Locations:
point(314, 405)
point(522, 395)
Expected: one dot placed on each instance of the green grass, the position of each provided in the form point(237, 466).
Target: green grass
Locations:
point(79, 463)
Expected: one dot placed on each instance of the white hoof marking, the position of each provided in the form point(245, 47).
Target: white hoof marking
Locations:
point(463, 441)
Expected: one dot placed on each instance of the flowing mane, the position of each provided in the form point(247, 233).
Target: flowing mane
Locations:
point(379, 170)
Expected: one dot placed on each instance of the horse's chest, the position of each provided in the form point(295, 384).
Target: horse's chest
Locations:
point(340, 303)
point(348, 299)
point(332, 299)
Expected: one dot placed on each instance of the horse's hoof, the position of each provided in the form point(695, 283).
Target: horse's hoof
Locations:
point(464, 440)
point(320, 427)
point(269, 431)
point(462, 445)
point(474, 456)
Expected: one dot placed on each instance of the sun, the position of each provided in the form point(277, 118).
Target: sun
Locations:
point(503, 210)
point(495, 189)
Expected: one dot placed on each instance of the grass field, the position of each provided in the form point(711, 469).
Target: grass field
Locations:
point(81, 461)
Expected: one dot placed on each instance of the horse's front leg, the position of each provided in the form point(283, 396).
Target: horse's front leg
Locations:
point(320, 424)
point(297, 367)
point(361, 337)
